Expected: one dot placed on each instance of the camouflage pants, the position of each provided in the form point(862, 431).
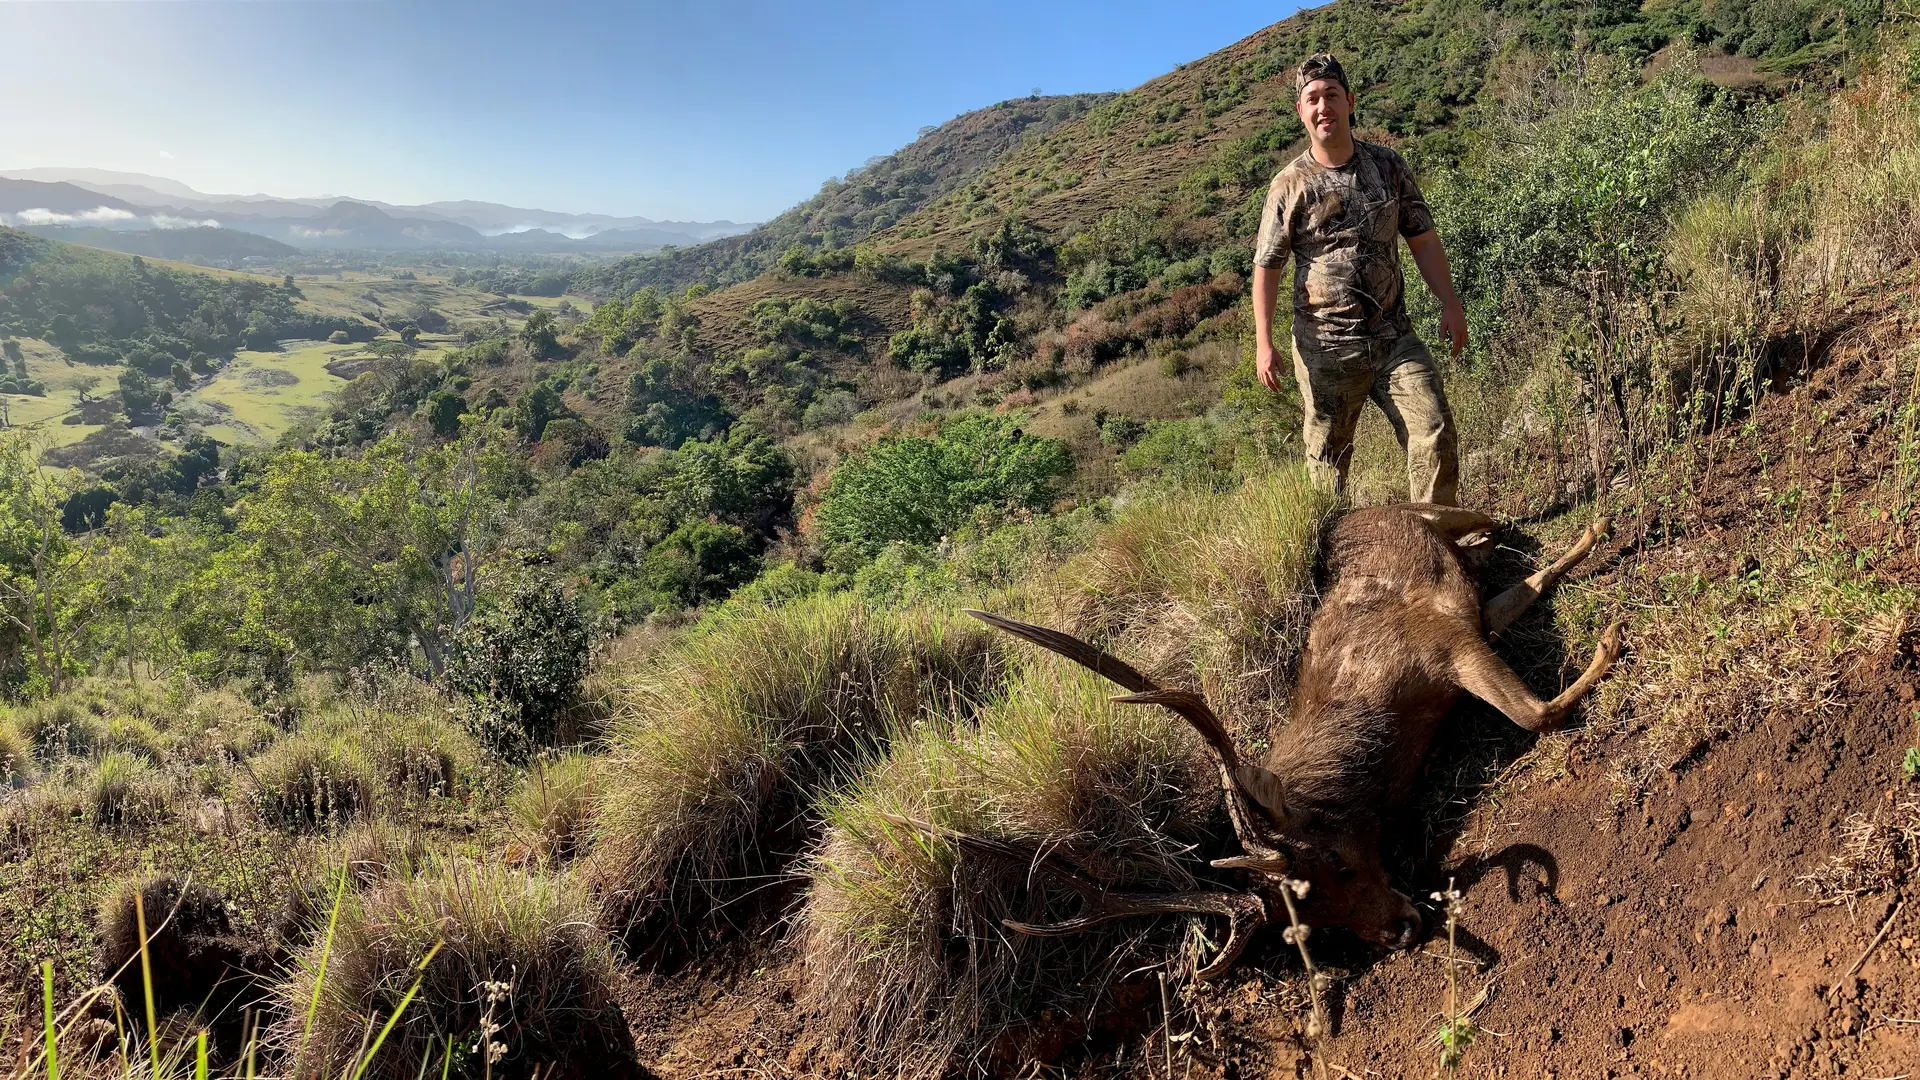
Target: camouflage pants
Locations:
point(1399, 374)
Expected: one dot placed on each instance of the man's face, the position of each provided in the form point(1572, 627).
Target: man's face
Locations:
point(1326, 108)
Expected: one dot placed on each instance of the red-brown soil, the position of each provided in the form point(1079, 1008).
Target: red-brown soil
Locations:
point(1614, 932)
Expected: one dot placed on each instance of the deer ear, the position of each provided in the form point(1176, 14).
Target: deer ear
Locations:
point(1267, 790)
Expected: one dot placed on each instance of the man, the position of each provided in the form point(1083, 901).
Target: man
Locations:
point(1337, 210)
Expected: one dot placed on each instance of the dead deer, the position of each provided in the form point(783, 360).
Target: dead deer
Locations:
point(1399, 634)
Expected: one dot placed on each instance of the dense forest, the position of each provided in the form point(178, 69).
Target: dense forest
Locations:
point(658, 595)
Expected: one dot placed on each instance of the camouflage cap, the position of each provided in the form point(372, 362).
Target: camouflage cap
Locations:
point(1320, 66)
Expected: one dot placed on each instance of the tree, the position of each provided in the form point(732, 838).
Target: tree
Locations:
point(443, 410)
point(540, 337)
point(538, 405)
point(39, 563)
point(916, 490)
point(520, 665)
point(343, 557)
point(139, 395)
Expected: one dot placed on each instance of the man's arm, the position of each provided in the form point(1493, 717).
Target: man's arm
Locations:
point(1266, 294)
point(1431, 257)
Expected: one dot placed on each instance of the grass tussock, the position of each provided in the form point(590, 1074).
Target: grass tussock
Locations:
point(718, 747)
point(313, 780)
point(1214, 590)
point(521, 981)
point(124, 791)
point(553, 807)
point(906, 958)
point(16, 754)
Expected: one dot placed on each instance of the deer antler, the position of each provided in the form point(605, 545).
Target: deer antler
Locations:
point(1244, 912)
point(1261, 855)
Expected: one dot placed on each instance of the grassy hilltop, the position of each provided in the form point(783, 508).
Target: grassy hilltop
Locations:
point(476, 683)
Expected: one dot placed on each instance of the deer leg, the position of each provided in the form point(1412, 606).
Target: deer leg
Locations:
point(1487, 677)
point(1452, 522)
point(1502, 610)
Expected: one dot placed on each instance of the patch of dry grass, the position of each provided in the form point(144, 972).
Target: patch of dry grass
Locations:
point(1878, 851)
point(716, 751)
point(905, 955)
point(1213, 591)
point(512, 975)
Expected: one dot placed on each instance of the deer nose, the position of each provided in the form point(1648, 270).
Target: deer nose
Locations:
point(1403, 932)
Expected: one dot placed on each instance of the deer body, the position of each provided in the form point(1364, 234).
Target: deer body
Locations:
point(1400, 634)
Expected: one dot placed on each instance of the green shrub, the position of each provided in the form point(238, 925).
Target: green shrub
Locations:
point(520, 666)
point(519, 982)
point(906, 957)
point(775, 586)
point(710, 766)
point(916, 490)
point(1194, 455)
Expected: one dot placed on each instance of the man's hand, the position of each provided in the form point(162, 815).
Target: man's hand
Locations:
point(1453, 327)
point(1266, 364)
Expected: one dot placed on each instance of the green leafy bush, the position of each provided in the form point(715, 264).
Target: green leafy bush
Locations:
point(915, 489)
point(520, 667)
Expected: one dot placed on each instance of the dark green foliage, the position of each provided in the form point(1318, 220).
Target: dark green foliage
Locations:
point(87, 508)
point(1589, 190)
point(915, 490)
point(800, 262)
point(442, 411)
point(140, 394)
point(672, 401)
point(540, 337)
point(520, 666)
point(91, 304)
point(948, 337)
point(540, 404)
point(804, 322)
point(698, 562)
point(579, 441)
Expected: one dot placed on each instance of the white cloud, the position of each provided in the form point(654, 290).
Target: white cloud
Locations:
point(99, 215)
point(166, 155)
point(168, 221)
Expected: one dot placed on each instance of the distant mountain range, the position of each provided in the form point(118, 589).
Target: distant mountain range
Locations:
point(57, 202)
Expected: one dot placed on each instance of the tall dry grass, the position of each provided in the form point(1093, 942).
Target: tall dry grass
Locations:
point(1212, 591)
point(511, 974)
point(718, 749)
point(906, 958)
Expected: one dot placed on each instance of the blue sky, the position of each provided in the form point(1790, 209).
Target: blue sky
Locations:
point(716, 109)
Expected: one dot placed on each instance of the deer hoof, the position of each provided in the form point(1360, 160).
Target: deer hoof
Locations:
point(1611, 643)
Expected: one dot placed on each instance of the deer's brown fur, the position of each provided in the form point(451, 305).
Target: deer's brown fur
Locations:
point(1399, 635)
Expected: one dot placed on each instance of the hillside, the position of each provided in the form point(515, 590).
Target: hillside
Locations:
point(868, 199)
point(589, 694)
point(203, 244)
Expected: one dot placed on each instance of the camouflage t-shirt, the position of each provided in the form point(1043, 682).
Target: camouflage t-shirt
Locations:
point(1342, 227)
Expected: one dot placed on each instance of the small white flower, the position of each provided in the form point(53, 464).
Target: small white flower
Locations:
point(1299, 888)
